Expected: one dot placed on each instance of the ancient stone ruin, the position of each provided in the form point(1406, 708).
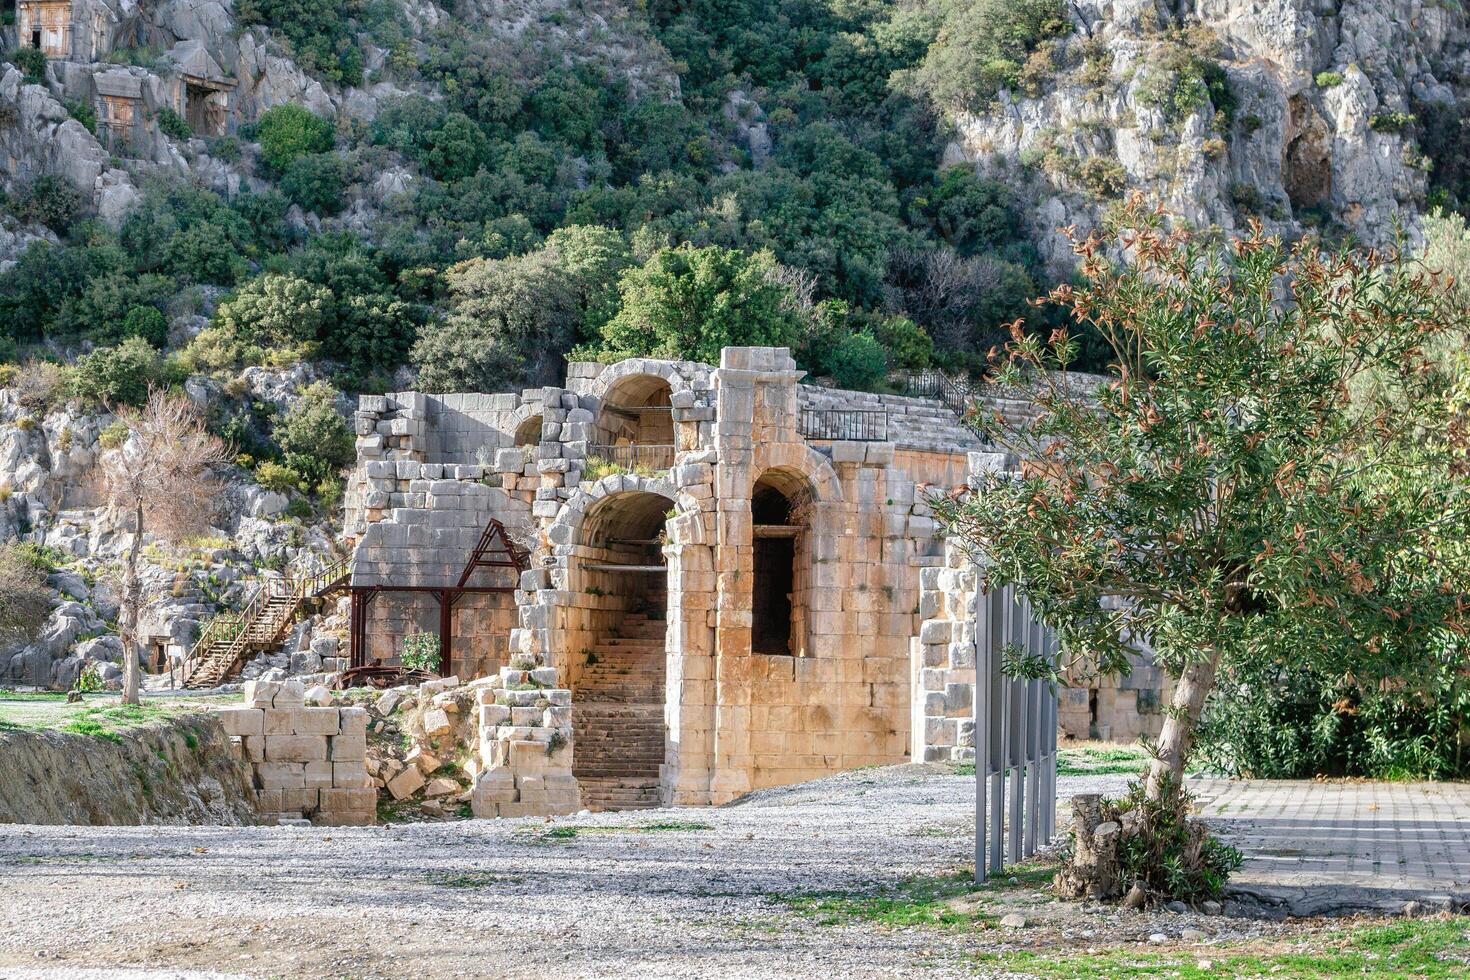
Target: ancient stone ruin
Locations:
point(737, 577)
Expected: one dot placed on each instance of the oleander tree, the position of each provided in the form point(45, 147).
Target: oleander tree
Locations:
point(1276, 467)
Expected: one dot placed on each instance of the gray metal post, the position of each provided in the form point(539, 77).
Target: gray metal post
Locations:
point(1016, 732)
point(981, 703)
point(999, 705)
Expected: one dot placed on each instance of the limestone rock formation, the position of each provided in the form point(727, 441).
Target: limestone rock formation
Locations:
point(50, 499)
point(38, 136)
point(1317, 134)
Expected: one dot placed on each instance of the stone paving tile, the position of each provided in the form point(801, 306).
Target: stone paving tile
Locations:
point(1311, 846)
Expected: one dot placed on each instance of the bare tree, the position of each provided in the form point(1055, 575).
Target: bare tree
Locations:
point(24, 599)
point(158, 482)
point(957, 298)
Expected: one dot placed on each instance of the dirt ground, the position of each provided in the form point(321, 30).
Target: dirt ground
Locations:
point(861, 875)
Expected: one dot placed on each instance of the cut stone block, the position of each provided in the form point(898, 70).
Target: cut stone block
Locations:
point(406, 783)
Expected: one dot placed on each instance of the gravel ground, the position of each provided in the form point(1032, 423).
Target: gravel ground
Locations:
point(527, 898)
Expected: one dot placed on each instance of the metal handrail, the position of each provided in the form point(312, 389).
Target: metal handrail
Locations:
point(845, 424)
point(632, 456)
point(250, 624)
point(957, 394)
point(322, 578)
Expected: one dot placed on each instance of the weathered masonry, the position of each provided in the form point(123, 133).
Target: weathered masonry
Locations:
point(736, 575)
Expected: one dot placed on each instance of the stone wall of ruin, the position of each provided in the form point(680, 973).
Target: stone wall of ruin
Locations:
point(880, 666)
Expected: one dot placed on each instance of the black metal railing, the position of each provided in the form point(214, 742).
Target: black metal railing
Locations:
point(845, 424)
point(957, 394)
point(632, 458)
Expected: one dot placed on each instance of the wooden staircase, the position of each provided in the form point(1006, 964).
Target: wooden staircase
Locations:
point(230, 637)
point(618, 718)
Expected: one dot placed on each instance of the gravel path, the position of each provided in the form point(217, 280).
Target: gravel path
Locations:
point(527, 898)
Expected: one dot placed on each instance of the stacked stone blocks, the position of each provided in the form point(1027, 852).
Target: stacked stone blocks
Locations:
point(525, 766)
point(306, 762)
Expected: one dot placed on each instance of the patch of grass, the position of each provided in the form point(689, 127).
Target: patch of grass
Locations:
point(949, 901)
point(470, 879)
point(1429, 949)
point(32, 695)
point(1032, 875)
point(1111, 760)
point(92, 728)
point(659, 826)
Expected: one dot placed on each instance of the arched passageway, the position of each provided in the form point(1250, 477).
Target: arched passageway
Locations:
point(635, 429)
point(616, 629)
point(528, 433)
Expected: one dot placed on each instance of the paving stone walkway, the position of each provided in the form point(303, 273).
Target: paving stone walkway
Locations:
point(1332, 846)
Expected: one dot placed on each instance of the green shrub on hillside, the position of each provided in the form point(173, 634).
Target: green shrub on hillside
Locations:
point(173, 125)
point(688, 303)
point(51, 201)
point(981, 47)
point(83, 113)
point(858, 362)
point(282, 479)
point(289, 131)
point(908, 346)
point(320, 33)
point(314, 435)
point(147, 322)
point(32, 64)
point(119, 375)
point(316, 182)
point(275, 311)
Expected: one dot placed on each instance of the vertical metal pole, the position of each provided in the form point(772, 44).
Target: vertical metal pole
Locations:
point(355, 646)
point(1049, 810)
point(1049, 807)
point(981, 699)
point(1000, 618)
point(1034, 744)
point(1016, 735)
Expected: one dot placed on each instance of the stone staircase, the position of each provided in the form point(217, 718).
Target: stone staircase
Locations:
point(618, 718)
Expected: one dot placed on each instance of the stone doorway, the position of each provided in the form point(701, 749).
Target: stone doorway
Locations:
point(777, 506)
point(616, 628)
point(204, 109)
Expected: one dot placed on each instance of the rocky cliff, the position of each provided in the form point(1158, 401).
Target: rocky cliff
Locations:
point(48, 497)
point(1313, 125)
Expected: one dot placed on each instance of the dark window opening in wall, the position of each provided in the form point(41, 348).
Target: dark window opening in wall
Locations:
point(36, 38)
point(775, 549)
point(771, 606)
point(203, 111)
point(1092, 713)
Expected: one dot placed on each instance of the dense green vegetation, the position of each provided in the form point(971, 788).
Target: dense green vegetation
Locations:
point(792, 192)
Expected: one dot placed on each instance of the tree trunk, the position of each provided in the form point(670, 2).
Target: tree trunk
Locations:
point(1177, 737)
point(131, 601)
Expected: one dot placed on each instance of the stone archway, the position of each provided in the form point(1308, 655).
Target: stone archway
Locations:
point(528, 431)
point(612, 625)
